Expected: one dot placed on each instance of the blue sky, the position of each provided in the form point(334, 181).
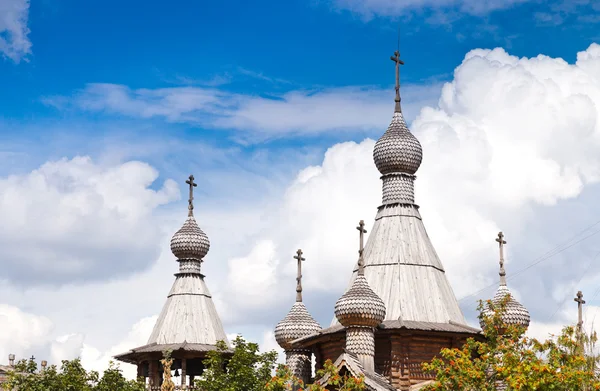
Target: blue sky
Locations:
point(107, 107)
point(262, 48)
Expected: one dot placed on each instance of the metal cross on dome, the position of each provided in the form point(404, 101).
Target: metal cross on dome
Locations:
point(190, 182)
point(396, 58)
point(362, 230)
point(501, 243)
point(580, 303)
point(299, 258)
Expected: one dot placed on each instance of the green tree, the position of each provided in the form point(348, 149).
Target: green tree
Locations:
point(506, 359)
point(247, 369)
point(72, 376)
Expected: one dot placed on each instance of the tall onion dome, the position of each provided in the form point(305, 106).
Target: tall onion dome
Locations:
point(360, 310)
point(514, 313)
point(297, 323)
point(398, 154)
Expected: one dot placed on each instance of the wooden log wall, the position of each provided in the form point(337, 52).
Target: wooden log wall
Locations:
point(409, 351)
point(329, 350)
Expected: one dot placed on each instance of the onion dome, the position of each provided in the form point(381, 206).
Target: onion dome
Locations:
point(190, 242)
point(360, 306)
point(514, 312)
point(298, 323)
point(398, 150)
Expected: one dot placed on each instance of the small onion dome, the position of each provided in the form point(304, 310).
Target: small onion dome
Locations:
point(397, 150)
point(514, 313)
point(190, 242)
point(360, 306)
point(298, 323)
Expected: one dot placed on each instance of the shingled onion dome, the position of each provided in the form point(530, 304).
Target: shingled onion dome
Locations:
point(515, 313)
point(298, 322)
point(398, 151)
point(360, 306)
point(190, 242)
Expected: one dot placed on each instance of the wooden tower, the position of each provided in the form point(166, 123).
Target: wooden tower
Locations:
point(402, 268)
point(188, 324)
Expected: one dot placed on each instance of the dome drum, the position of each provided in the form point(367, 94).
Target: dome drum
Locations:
point(398, 188)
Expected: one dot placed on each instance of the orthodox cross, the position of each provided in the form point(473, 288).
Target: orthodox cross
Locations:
point(361, 263)
point(580, 303)
point(501, 243)
point(299, 258)
point(191, 198)
point(396, 58)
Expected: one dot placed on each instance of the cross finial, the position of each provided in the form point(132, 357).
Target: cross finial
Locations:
point(190, 182)
point(299, 258)
point(396, 58)
point(501, 243)
point(32, 358)
point(361, 263)
point(580, 303)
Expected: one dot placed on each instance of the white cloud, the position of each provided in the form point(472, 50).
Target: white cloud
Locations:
point(72, 220)
point(300, 112)
point(14, 40)
point(510, 134)
point(512, 141)
point(22, 332)
point(370, 8)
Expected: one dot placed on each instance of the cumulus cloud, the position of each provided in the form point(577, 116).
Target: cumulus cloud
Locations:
point(22, 332)
point(510, 146)
point(509, 135)
point(72, 221)
point(14, 40)
point(297, 112)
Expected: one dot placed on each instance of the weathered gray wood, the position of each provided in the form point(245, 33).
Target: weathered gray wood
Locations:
point(403, 268)
point(189, 315)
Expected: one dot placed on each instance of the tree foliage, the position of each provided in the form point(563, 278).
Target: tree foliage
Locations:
point(249, 370)
point(285, 381)
point(506, 359)
point(26, 376)
point(246, 370)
